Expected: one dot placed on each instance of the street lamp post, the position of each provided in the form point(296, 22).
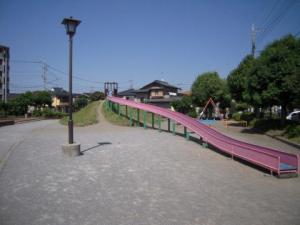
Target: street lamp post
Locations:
point(71, 25)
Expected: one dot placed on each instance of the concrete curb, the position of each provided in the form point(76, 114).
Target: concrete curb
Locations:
point(278, 138)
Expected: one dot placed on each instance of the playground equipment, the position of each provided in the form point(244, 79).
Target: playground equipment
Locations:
point(208, 121)
point(280, 163)
point(205, 107)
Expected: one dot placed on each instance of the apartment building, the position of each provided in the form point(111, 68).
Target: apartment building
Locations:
point(4, 72)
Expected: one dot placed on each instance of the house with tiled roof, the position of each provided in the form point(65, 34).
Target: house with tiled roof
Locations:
point(158, 92)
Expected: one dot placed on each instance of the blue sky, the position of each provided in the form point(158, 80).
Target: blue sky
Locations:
point(138, 41)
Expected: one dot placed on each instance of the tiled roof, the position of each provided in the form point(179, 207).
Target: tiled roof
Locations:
point(129, 92)
point(163, 83)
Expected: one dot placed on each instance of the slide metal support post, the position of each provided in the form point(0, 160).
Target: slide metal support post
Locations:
point(130, 117)
point(145, 119)
point(119, 111)
point(174, 127)
point(152, 120)
point(159, 123)
point(138, 117)
point(169, 125)
point(187, 136)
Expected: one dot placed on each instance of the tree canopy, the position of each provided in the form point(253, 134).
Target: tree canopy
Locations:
point(274, 78)
point(41, 98)
point(237, 79)
point(96, 96)
point(210, 85)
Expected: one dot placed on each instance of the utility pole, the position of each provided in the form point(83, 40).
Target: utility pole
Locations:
point(44, 75)
point(254, 32)
point(253, 39)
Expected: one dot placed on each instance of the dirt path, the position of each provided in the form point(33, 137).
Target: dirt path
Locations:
point(103, 124)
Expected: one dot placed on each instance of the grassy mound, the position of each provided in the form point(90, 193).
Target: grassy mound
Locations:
point(123, 120)
point(113, 117)
point(85, 116)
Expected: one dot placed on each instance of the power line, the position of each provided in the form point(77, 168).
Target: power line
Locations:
point(75, 77)
point(269, 14)
point(25, 61)
point(277, 18)
point(34, 86)
point(55, 69)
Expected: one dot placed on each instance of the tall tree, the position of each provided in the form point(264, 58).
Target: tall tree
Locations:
point(274, 78)
point(42, 98)
point(19, 105)
point(237, 79)
point(96, 96)
point(209, 85)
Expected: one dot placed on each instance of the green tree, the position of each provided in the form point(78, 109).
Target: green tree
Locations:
point(274, 78)
point(19, 105)
point(41, 98)
point(237, 79)
point(183, 105)
point(96, 96)
point(210, 85)
point(80, 102)
point(3, 108)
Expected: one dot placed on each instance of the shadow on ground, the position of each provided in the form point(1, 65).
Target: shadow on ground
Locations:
point(96, 146)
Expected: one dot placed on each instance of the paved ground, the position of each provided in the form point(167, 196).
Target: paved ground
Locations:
point(133, 177)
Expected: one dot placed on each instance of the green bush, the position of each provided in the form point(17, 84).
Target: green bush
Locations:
point(241, 106)
point(252, 122)
point(263, 125)
point(247, 116)
point(292, 131)
point(3, 109)
point(193, 114)
point(49, 113)
point(96, 96)
point(236, 116)
point(80, 102)
point(183, 105)
point(37, 113)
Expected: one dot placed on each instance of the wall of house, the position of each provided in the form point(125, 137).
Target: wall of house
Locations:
point(165, 105)
point(156, 94)
point(55, 102)
point(168, 89)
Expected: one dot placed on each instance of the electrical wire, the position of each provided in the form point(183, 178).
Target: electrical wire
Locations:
point(277, 18)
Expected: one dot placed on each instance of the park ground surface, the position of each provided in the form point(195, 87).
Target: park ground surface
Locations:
point(132, 176)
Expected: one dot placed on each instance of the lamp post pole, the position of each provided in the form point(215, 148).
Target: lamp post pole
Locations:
point(72, 149)
point(70, 122)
